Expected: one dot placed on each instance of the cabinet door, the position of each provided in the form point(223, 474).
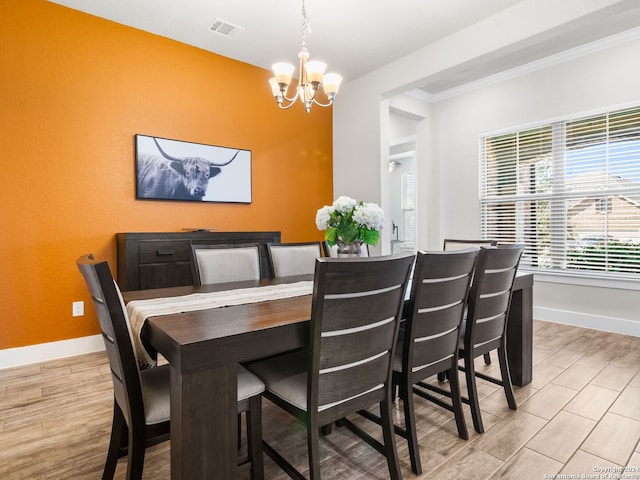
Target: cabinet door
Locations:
point(162, 275)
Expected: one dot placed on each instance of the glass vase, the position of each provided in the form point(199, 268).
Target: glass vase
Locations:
point(346, 250)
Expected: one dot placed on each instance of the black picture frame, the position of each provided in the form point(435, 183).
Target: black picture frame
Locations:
point(169, 169)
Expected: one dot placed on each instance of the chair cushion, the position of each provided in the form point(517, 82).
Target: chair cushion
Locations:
point(155, 394)
point(248, 384)
point(285, 376)
point(156, 391)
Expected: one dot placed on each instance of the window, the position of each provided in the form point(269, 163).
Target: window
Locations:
point(603, 205)
point(409, 206)
point(570, 191)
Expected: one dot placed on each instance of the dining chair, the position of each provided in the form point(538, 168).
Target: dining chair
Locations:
point(141, 411)
point(456, 244)
point(429, 345)
point(484, 327)
point(355, 312)
point(225, 263)
point(285, 259)
point(332, 251)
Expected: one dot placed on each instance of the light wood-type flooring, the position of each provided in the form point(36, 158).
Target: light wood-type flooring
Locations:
point(580, 414)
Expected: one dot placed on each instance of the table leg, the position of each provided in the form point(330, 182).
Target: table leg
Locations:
point(204, 423)
point(520, 337)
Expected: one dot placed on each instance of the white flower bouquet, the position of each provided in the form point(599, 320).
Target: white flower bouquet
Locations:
point(348, 221)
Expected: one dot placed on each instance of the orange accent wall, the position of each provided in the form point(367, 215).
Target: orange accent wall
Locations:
point(74, 90)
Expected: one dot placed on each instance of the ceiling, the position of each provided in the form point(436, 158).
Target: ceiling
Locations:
point(353, 37)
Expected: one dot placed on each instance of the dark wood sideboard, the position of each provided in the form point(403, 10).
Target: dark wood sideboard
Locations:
point(158, 260)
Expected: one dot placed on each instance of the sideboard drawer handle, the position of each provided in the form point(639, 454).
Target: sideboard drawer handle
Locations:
point(165, 252)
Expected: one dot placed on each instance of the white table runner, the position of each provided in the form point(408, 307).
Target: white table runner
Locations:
point(140, 310)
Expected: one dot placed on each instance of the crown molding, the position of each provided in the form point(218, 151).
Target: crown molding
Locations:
point(420, 94)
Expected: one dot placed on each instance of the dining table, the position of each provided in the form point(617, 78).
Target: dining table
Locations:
point(203, 348)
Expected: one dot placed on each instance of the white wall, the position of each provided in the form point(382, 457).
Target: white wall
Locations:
point(602, 79)
point(448, 168)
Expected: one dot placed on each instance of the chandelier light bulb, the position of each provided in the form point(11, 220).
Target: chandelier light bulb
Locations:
point(315, 71)
point(331, 83)
point(282, 73)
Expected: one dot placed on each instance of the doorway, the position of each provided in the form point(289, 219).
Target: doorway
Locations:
point(402, 193)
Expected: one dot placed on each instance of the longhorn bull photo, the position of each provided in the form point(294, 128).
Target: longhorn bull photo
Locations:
point(175, 178)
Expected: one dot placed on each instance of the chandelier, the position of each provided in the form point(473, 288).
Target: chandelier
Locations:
point(312, 76)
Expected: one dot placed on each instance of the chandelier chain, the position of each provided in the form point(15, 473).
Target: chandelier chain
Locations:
point(306, 28)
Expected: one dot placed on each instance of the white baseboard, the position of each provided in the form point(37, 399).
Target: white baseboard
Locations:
point(15, 357)
point(586, 320)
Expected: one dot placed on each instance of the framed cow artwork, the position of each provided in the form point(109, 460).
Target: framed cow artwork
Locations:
point(177, 170)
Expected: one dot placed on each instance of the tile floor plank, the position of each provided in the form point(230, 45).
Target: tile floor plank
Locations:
point(525, 462)
point(548, 401)
point(628, 403)
point(561, 437)
point(592, 402)
point(584, 464)
point(613, 439)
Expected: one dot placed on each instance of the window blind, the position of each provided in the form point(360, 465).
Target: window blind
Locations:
point(570, 191)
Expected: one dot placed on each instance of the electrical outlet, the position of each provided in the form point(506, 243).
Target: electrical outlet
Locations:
point(77, 309)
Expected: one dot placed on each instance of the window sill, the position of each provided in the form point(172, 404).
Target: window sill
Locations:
point(591, 281)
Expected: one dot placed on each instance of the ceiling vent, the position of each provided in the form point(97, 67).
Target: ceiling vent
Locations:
point(224, 28)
